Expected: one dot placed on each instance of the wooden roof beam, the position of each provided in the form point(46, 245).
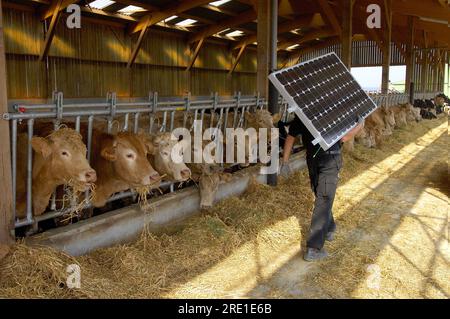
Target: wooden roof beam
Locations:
point(420, 8)
point(297, 54)
point(287, 26)
point(50, 11)
point(175, 8)
point(57, 7)
point(324, 32)
point(246, 17)
point(330, 16)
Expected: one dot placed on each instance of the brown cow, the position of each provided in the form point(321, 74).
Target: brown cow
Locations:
point(400, 114)
point(59, 158)
point(121, 163)
point(161, 157)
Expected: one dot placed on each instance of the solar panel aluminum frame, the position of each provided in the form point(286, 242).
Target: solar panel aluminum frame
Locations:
point(293, 106)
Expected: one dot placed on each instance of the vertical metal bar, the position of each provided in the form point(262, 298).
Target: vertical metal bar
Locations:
point(213, 111)
point(77, 124)
point(236, 109)
point(164, 125)
point(225, 123)
point(136, 123)
point(14, 165)
point(89, 141)
point(202, 116)
point(55, 127)
point(172, 120)
point(126, 120)
point(30, 172)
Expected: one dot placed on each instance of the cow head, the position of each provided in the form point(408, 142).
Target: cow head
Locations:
point(363, 136)
point(128, 154)
point(209, 184)
point(261, 119)
point(163, 146)
point(388, 116)
point(64, 157)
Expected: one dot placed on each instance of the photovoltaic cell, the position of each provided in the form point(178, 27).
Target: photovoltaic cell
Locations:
point(325, 96)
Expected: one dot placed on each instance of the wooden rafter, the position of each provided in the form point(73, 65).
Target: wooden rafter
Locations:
point(247, 16)
point(324, 32)
point(171, 10)
point(299, 22)
point(138, 44)
point(238, 57)
point(195, 54)
point(155, 17)
point(50, 11)
point(329, 15)
point(420, 8)
point(56, 5)
point(297, 54)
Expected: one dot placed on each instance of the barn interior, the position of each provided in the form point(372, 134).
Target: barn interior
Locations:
point(129, 57)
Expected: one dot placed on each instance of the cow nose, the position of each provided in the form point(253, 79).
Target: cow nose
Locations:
point(186, 173)
point(154, 177)
point(91, 176)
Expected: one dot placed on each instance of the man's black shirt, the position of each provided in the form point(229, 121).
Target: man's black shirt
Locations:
point(298, 128)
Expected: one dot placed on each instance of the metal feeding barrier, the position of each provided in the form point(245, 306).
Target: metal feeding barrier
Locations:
point(161, 112)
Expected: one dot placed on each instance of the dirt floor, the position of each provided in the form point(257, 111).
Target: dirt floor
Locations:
point(392, 241)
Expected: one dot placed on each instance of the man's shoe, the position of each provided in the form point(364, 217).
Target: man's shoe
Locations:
point(330, 236)
point(313, 254)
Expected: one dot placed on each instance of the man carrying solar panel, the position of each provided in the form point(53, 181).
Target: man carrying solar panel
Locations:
point(323, 167)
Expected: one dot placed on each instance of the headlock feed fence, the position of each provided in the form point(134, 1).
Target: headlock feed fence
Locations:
point(160, 113)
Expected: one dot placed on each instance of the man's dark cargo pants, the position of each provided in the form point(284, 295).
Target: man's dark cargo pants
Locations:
point(324, 174)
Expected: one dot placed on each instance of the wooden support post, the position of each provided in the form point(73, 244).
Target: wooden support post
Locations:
point(387, 37)
point(347, 32)
point(238, 57)
point(263, 39)
point(195, 54)
point(51, 30)
point(409, 58)
point(6, 217)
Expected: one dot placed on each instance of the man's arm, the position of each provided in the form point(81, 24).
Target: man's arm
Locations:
point(352, 133)
point(288, 144)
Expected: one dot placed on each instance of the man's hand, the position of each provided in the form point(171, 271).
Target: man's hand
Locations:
point(285, 170)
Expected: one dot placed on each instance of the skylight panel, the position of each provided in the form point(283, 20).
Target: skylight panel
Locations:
point(186, 23)
point(129, 10)
point(101, 4)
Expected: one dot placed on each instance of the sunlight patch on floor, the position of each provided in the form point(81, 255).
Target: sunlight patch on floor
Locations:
point(416, 261)
point(252, 263)
point(360, 186)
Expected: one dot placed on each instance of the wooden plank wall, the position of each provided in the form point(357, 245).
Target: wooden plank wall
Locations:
point(91, 61)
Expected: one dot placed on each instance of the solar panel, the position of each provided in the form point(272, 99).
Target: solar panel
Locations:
point(325, 97)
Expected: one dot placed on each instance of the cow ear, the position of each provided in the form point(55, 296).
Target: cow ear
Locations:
point(149, 143)
point(249, 116)
point(42, 146)
point(276, 118)
point(109, 151)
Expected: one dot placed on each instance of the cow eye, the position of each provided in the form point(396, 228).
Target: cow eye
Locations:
point(64, 153)
point(130, 156)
